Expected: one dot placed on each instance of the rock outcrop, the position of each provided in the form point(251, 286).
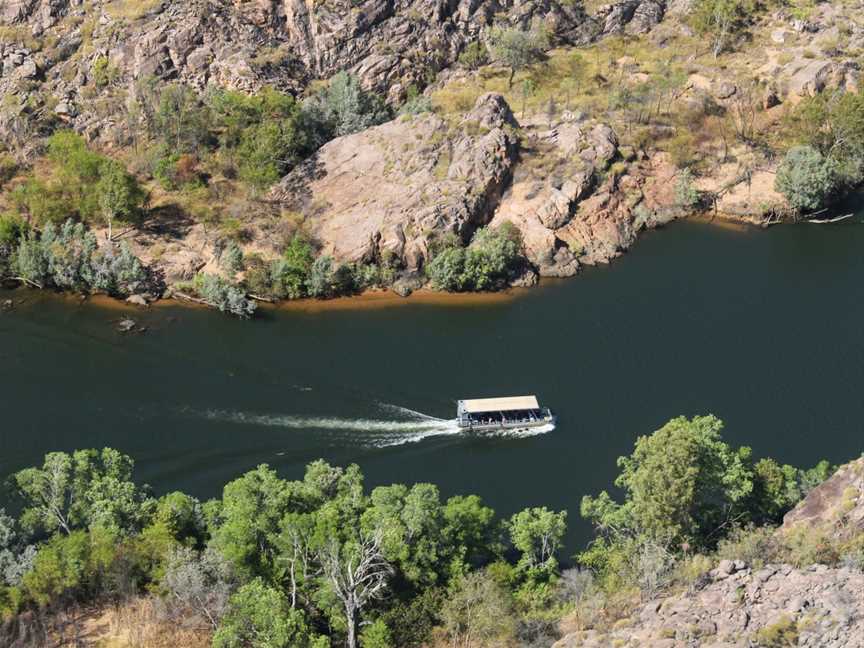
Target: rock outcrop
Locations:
point(736, 605)
point(390, 189)
point(740, 607)
point(56, 55)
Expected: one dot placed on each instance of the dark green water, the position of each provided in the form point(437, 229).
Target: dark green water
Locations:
point(763, 329)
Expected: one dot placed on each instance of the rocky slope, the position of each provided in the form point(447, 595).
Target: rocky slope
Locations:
point(576, 193)
point(737, 605)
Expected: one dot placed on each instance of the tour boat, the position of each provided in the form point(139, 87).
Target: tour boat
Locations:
point(484, 414)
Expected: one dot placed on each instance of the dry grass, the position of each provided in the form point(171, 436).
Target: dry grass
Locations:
point(131, 9)
point(141, 624)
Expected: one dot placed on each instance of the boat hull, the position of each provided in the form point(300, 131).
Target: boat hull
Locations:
point(515, 425)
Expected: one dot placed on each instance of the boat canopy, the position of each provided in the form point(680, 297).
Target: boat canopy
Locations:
point(477, 405)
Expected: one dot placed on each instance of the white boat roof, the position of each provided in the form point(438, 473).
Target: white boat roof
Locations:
point(474, 405)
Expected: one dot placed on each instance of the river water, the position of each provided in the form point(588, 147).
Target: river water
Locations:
point(761, 328)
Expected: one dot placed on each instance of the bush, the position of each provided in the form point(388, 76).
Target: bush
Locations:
point(69, 258)
point(474, 56)
point(342, 108)
point(806, 178)
point(224, 295)
point(491, 259)
point(686, 194)
point(231, 258)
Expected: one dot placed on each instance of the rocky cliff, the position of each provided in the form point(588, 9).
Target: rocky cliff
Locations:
point(740, 605)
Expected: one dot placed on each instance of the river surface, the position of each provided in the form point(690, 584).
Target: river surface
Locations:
point(761, 328)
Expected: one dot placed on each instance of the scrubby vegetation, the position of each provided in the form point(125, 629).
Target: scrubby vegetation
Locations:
point(322, 561)
point(492, 258)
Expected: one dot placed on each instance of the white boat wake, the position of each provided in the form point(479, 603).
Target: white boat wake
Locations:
point(412, 427)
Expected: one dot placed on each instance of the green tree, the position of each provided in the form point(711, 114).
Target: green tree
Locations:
point(447, 269)
point(290, 273)
point(518, 49)
point(252, 508)
point(474, 56)
point(180, 120)
point(78, 491)
point(259, 617)
point(720, 20)
point(341, 108)
point(376, 635)
point(806, 178)
point(118, 193)
point(682, 484)
point(538, 533)
point(320, 280)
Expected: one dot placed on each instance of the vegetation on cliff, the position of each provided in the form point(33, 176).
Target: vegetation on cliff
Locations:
point(321, 561)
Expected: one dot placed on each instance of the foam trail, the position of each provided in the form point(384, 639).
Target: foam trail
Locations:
point(373, 432)
point(368, 432)
point(404, 411)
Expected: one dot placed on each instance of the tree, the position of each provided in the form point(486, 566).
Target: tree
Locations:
point(87, 488)
point(180, 119)
point(224, 295)
point(538, 533)
point(201, 583)
point(474, 56)
point(806, 178)
point(342, 108)
point(118, 193)
point(576, 69)
point(478, 612)
point(320, 280)
point(681, 484)
point(720, 20)
point(252, 508)
point(353, 562)
point(259, 617)
point(518, 49)
point(447, 268)
point(290, 273)
point(376, 635)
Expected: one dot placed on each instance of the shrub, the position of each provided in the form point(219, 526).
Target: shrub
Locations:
point(806, 178)
point(686, 194)
point(223, 295)
point(487, 263)
point(781, 634)
point(416, 103)
point(342, 108)
point(231, 258)
point(474, 56)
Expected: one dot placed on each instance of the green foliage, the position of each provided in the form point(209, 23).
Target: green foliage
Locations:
point(320, 282)
point(806, 178)
point(416, 103)
point(231, 258)
point(488, 263)
point(224, 295)
point(180, 120)
point(342, 108)
point(259, 617)
point(474, 56)
point(69, 258)
point(291, 272)
point(81, 183)
point(117, 193)
point(376, 635)
point(721, 20)
point(686, 194)
point(782, 633)
point(537, 533)
point(517, 49)
point(84, 490)
point(478, 609)
point(680, 484)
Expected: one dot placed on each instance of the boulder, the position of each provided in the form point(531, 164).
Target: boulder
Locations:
point(809, 79)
